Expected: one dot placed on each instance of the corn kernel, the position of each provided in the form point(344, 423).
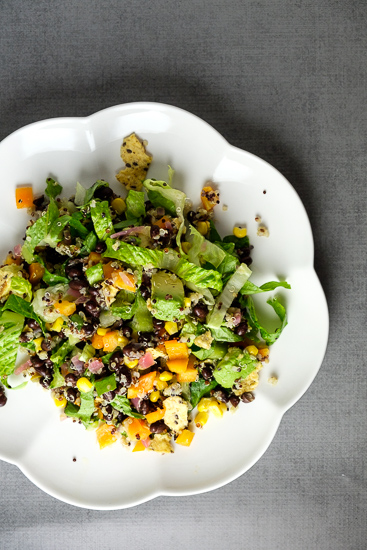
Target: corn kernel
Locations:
point(131, 364)
point(187, 303)
point(102, 331)
point(123, 341)
point(118, 205)
point(171, 327)
point(60, 402)
point(165, 376)
point(56, 326)
point(160, 384)
point(223, 407)
point(205, 403)
point(201, 419)
point(186, 247)
point(154, 396)
point(36, 378)
point(84, 385)
point(240, 232)
point(252, 350)
point(203, 227)
point(37, 343)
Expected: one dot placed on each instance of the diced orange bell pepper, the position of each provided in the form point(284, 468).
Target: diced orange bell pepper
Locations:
point(36, 272)
point(185, 438)
point(97, 341)
point(189, 375)
point(94, 258)
point(124, 280)
point(178, 365)
point(65, 308)
point(108, 270)
point(139, 447)
point(106, 435)
point(138, 429)
point(176, 350)
point(11, 260)
point(162, 222)
point(24, 197)
point(155, 416)
point(144, 385)
point(111, 340)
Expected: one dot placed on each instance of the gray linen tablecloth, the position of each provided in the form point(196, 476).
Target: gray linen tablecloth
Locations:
point(285, 80)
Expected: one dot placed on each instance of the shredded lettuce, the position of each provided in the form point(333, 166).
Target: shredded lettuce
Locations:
point(135, 206)
point(202, 249)
point(226, 298)
point(251, 288)
point(268, 337)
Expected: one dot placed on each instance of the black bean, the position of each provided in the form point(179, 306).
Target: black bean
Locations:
point(3, 399)
point(234, 400)
point(146, 280)
point(221, 395)
point(133, 351)
point(39, 201)
point(157, 324)
point(127, 331)
point(25, 337)
point(247, 397)
point(155, 231)
point(117, 324)
point(92, 308)
point(207, 372)
point(145, 292)
point(108, 415)
point(74, 272)
point(36, 361)
point(78, 284)
point(43, 371)
point(71, 394)
point(200, 311)
point(158, 427)
point(241, 329)
point(45, 382)
point(88, 329)
point(70, 379)
point(145, 337)
point(124, 377)
point(94, 291)
point(46, 344)
point(116, 361)
point(120, 417)
point(109, 395)
point(100, 247)
point(144, 406)
point(104, 193)
point(191, 216)
point(33, 324)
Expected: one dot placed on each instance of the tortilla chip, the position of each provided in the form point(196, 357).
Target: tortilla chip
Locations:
point(137, 162)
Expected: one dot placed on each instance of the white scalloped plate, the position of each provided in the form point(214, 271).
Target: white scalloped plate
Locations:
point(86, 149)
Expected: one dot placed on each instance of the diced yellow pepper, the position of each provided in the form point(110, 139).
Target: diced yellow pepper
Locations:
point(252, 350)
point(187, 303)
point(171, 327)
point(56, 326)
point(84, 385)
point(205, 403)
point(185, 438)
point(139, 447)
point(216, 409)
point(123, 341)
point(160, 384)
point(102, 331)
point(165, 376)
point(131, 364)
point(240, 232)
point(37, 343)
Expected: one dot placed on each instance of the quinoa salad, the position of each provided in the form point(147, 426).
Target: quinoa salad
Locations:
point(137, 316)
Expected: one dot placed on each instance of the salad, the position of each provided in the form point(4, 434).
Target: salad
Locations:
point(136, 315)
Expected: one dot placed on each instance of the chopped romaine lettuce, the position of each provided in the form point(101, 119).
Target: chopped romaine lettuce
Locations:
point(224, 334)
point(53, 188)
point(122, 404)
point(251, 288)
point(21, 287)
point(22, 307)
point(11, 325)
point(37, 232)
point(234, 365)
point(101, 217)
point(89, 193)
point(94, 274)
point(135, 206)
point(86, 409)
point(202, 249)
point(199, 389)
point(142, 320)
point(268, 337)
point(103, 385)
point(216, 351)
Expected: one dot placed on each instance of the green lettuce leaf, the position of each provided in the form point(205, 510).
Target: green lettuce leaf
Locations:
point(53, 188)
point(135, 206)
point(60, 354)
point(86, 409)
point(124, 305)
point(251, 288)
point(103, 385)
point(58, 380)
point(235, 364)
point(101, 217)
point(199, 389)
point(11, 325)
point(202, 249)
point(142, 320)
point(122, 404)
point(94, 274)
point(24, 308)
point(36, 234)
point(89, 193)
point(213, 236)
point(90, 243)
point(21, 287)
point(224, 334)
point(216, 351)
point(269, 337)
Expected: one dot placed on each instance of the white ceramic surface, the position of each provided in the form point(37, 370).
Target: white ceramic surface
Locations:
point(86, 149)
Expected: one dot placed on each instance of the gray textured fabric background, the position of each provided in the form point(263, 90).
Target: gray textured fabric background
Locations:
point(285, 80)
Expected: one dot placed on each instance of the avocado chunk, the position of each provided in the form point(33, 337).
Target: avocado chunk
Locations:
point(167, 296)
